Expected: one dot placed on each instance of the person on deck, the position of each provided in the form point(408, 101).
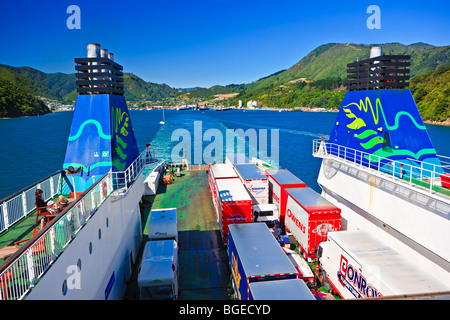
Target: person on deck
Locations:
point(39, 201)
point(61, 204)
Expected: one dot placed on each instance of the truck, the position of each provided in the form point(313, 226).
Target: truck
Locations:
point(151, 183)
point(162, 224)
point(218, 171)
point(236, 158)
point(255, 181)
point(356, 264)
point(304, 272)
point(267, 213)
point(291, 289)
point(280, 179)
point(255, 256)
point(234, 204)
point(309, 217)
point(158, 272)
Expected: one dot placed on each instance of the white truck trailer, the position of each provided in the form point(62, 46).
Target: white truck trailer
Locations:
point(255, 181)
point(163, 224)
point(355, 264)
point(158, 272)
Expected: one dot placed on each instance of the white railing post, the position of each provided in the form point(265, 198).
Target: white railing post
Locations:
point(5, 214)
point(30, 264)
point(52, 188)
point(52, 242)
point(24, 203)
point(393, 169)
point(431, 182)
point(410, 174)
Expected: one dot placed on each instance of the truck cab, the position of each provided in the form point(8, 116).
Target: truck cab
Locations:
point(267, 213)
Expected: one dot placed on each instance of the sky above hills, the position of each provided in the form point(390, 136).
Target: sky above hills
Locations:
point(203, 43)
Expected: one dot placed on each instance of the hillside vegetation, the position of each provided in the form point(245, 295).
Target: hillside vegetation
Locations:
point(431, 92)
point(316, 81)
point(14, 102)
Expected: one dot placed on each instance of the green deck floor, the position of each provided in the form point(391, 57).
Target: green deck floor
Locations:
point(21, 230)
point(203, 260)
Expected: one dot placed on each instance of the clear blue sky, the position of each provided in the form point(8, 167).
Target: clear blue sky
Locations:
point(203, 43)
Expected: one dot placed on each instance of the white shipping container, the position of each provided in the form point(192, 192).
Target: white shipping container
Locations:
point(255, 181)
point(163, 224)
point(219, 171)
point(359, 265)
point(236, 158)
point(234, 204)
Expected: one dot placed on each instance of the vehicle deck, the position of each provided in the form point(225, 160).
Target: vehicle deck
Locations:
point(203, 260)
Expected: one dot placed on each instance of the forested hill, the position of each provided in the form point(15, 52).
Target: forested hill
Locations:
point(330, 61)
point(431, 92)
point(315, 81)
point(62, 87)
point(15, 102)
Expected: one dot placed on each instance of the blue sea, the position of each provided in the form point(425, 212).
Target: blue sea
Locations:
point(34, 147)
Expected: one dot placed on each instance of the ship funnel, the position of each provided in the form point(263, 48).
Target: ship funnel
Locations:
point(375, 52)
point(93, 50)
point(104, 53)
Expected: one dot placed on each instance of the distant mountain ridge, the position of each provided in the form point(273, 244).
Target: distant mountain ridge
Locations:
point(325, 62)
point(61, 86)
point(330, 61)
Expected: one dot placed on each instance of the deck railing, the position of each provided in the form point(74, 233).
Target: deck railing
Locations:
point(21, 271)
point(411, 171)
point(25, 267)
point(21, 204)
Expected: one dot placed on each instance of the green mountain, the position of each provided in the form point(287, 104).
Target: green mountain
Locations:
point(431, 92)
point(61, 86)
point(330, 61)
point(138, 89)
point(325, 66)
point(15, 102)
point(49, 85)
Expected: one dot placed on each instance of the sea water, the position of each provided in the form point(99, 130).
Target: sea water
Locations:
point(34, 147)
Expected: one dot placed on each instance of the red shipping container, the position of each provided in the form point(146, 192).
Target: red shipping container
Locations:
point(279, 179)
point(234, 204)
point(445, 180)
point(309, 218)
point(219, 171)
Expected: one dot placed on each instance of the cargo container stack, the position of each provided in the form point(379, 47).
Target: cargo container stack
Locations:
point(255, 181)
point(280, 179)
point(219, 171)
point(234, 204)
point(309, 217)
point(259, 267)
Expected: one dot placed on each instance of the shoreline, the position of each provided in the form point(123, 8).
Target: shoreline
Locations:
point(445, 123)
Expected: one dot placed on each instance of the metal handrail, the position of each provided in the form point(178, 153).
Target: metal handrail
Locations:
point(427, 173)
point(22, 270)
point(20, 204)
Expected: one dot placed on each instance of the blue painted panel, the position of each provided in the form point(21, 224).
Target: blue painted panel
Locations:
point(383, 123)
point(101, 138)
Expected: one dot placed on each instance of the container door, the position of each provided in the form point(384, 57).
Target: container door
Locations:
point(318, 230)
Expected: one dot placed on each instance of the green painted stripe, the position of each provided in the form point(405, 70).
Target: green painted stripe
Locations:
point(95, 165)
point(365, 134)
point(84, 124)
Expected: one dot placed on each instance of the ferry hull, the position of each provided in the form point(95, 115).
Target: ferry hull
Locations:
point(98, 263)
